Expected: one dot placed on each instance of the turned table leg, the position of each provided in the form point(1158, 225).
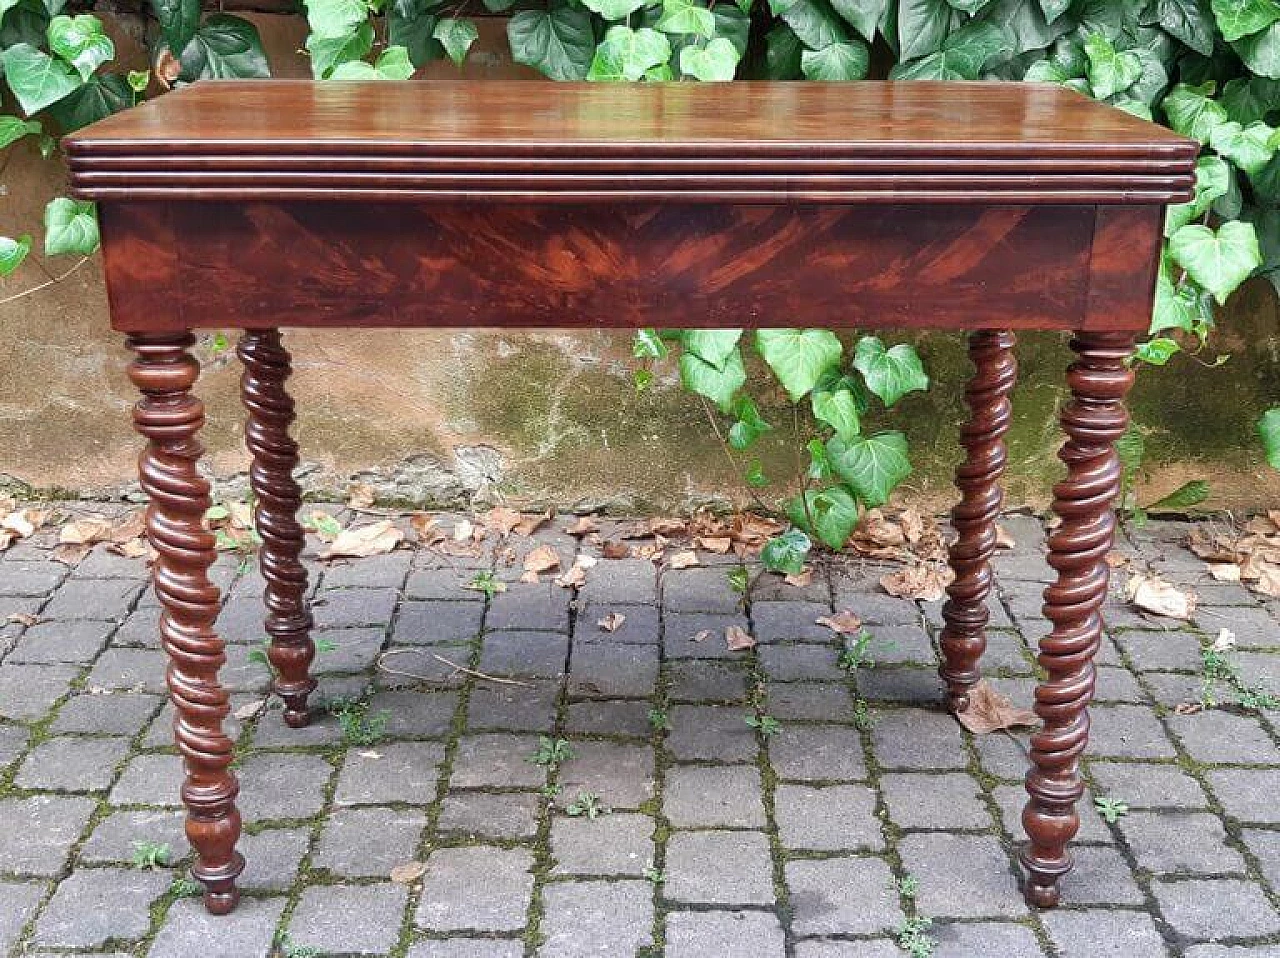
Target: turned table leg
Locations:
point(169, 416)
point(275, 457)
point(965, 612)
point(1094, 419)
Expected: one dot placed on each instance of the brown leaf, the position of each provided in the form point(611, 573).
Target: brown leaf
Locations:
point(528, 525)
point(7, 539)
point(425, 528)
point(542, 558)
point(408, 873)
point(70, 553)
point(989, 711)
point(801, 579)
point(23, 523)
point(360, 495)
point(377, 538)
point(667, 527)
point(529, 577)
point(575, 578)
point(23, 618)
point(1152, 594)
point(738, 639)
point(700, 636)
point(1224, 571)
point(133, 549)
point(251, 709)
point(1268, 581)
point(683, 560)
point(501, 519)
point(611, 622)
point(842, 623)
point(85, 531)
point(1115, 559)
point(1188, 708)
point(129, 527)
point(927, 581)
point(583, 525)
point(167, 68)
point(1003, 538)
point(719, 545)
point(612, 549)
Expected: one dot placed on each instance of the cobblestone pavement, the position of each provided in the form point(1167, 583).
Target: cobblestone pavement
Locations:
point(715, 838)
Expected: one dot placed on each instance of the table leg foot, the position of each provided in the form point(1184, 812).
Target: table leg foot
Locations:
point(978, 478)
point(169, 416)
point(270, 408)
point(1094, 419)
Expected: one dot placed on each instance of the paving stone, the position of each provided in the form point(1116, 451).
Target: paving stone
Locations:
point(879, 609)
point(1172, 689)
point(436, 623)
point(711, 733)
point(632, 581)
point(818, 753)
point(46, 642)
point(349, 919)
point(681, 631)
point(149, 780)
point(1127, 731)
point(120, 713)
point(372, 572)
point(1182, 842)
point(468, 948)
point(1253, 627)
point(544, 606)
point(248, 932)
point(697, 680)
point(859, 948)
point(609, 718)
point(1264, 845)
point(531, 707)
point(136, 670)
point(114, 838)
point(533, 654)
point(617, 844)
point(272, 858)
point(37, 833)
point(414, 714)
point(699, 590)
point(1226, 951)
point(726, 796)
point(402, 772)
point(1214, 908)
point(1217, 736)
point(1101, 876)
point(1144, 785)
point(240, 620)
point(968, 876)
point(621, 776)
point(506, 816)
point(368, 842)
point(742, 934)
point(101, 564)
point(1150, 651)
point(446, 583)
point(966, 939)
point(790, 621)
point(827, 818)
point(94, 906)
point(800, 663)
point(901, 644)
point(21, 900)
point(613, 671)
point(585, 919)
point(811, 701)
point(347, 650)
point(1103, 933)
point(25, 578)
point(496, 760)
point(350, 608)
point(276, 785)
point(477, 888)
point(72, 764)
point(641, 624)
point(774, 587)
point(822, 904)
point(1004, 756)
point(925, 800)
point(1115, 684)
point(142, 627)
point(27, 692)
point(719, 868)
point(13, 742)
point(907, 686)
point(104, 599)
point(916, 739)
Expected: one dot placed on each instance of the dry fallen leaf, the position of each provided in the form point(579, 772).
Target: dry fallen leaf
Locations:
point(683, 560)
point(927, 581)
point(542, 558)
point(425, 528)
point(612, 549)
point(377, 538)
point(70, 554)
point(529, 577)
point(1188, 708)
point(251, 709)
point(132, 549)
point(1115, 559)
point(464, 530)
point(130, 527)
point(1152, 594)
point(700, 636)
point(360, 495)
point(86, 531)
point(501, 519)
point(611, 622)
point(667, 527)
point(1003, 538)
point(23, 618)
point(1224, 571)
point(575, 578)
point(408, 873)
point(1225, 642)
point(801, 579)
point(738, 639)
point(842, 623)
point(583, 525)
point(167, 68)
point(989, 711)
point(528, 525)
point(720, 545)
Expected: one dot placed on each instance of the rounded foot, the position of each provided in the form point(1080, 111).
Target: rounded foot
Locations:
point(296, 718)
point(222, 902)
point(957, 702)
point(1042, 895)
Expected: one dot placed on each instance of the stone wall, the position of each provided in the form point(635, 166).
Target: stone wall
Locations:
point(547, 417)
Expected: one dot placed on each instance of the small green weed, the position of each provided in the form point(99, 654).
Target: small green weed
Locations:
point(766, 725)
point(908, 886)
point(484, 581)
point(148, 855)
point(654, 875)
point(1217, 670)
point(359, 727)
point(739, 579)
point(185, 887)
point(586, 805)
point(659, 720)
point(551, 753)
point(914, 937)
point(1111, 809)
point(286, 947)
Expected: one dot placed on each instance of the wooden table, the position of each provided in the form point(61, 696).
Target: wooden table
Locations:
point(977, 207)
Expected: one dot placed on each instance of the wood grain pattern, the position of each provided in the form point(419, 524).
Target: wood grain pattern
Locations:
point(1094, 419)
point(965, 613)
point(169, 416)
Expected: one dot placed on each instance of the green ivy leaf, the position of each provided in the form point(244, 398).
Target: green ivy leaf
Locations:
point(833, 511)
point(1249, 147)
point(1110, 71)
point(179, 20)
point(1261, 51)
point(1239, 18)
point(647, 344)
point(1188, 21)
point(838, 61)
point(1249, 99)
point(138, 80)
point(71, 226)
point(715, 63)
point(734, 26)
point(1187, 496)
point(1213, 179)
point(839, 410)
point(327, 53)
point(36, 78)
point(81, 42)
point(799, 357)
point(750, 425)
point(13, 129)
point(334, 19)
point(411, 24)
point(613, 9)
point(892, 373)
point(1157, 351)
point(392, 64)
point(963, 55)
point(13, 252)
point(786, 553)
point(782, 53)
point(456, 35)
point(922, 27)
point(1192, 112)
point(813, 21)
point(686, 16)
point(871, 465)
point(102, 96)
point(1220, 261)
point(560, 43)
point(224, 48)
point(1269, 431)
point(1178, 307)
point(863, 15)
point(711, 345)
point(717, 383)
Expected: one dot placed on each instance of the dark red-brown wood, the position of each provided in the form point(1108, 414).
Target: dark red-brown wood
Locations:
point(979, 207)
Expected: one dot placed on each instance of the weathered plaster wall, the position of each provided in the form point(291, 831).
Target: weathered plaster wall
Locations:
point(550, 416)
